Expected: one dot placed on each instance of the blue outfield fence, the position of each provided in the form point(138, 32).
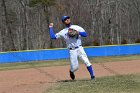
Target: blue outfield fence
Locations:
point(53, 54)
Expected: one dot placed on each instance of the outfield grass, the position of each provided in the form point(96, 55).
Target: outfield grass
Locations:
point(35, 64)
point(25, 65)
point(114, 58)
point(110, 84)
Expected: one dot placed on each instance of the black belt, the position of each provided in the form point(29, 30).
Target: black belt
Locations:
point(74, 48)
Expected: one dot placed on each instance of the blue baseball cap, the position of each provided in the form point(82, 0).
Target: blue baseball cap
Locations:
point(64, 18)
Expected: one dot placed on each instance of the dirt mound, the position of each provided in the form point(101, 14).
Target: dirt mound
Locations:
point(36, 80)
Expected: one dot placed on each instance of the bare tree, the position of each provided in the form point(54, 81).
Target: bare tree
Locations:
point(24, 23)
point(7, 37)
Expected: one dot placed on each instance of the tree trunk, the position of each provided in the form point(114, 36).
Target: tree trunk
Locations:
point(8, 42)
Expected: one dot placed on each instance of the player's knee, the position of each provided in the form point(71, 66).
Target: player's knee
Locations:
point(88, 64)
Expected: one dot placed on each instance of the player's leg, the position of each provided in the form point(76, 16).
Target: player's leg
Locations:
point(73, 63)
point(83, 56)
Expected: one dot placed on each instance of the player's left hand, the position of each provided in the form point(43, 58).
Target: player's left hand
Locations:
point(72, 33)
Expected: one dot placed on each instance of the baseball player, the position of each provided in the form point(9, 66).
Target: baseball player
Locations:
point(72, 35)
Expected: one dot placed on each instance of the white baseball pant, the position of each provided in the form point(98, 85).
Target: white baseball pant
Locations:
point(74, 54)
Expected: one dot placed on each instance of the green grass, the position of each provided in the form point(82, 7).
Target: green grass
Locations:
point(25, 65)
point(35, 64)
point(111, 84)
point(115, 58)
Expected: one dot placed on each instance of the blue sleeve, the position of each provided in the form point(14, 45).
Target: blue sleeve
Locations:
point(51, 32)
point(83, 34)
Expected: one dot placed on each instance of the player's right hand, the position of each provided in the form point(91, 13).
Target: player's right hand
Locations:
point(51, 25)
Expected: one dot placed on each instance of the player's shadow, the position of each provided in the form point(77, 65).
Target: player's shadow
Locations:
point(73, 80)
point(66, 81)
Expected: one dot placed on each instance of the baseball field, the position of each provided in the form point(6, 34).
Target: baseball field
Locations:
point(118, 74)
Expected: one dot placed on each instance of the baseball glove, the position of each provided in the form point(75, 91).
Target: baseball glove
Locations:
point(72, 33)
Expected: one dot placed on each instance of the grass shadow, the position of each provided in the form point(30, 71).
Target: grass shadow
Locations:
point(73, 80)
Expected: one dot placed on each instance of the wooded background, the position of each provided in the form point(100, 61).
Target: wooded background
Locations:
point(24, 23)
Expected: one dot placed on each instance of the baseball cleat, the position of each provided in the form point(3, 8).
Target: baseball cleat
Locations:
point(72, 75)
point(93, 78)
